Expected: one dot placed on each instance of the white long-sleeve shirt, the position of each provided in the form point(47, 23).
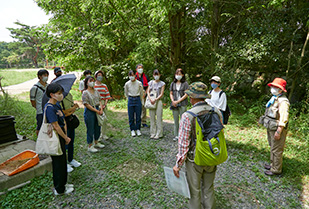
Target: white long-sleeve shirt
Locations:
point(216, 101)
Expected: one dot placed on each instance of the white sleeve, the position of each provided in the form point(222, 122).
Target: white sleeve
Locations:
point(222, 102)
point(81, 85)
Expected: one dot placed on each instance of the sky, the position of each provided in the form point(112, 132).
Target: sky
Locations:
point(26, 11)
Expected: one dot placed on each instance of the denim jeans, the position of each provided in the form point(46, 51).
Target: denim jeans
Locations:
point(93, 129)
point(70, 146)
point(134, 112)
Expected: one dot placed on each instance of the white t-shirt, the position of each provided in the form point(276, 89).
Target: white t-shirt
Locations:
point(217, 102)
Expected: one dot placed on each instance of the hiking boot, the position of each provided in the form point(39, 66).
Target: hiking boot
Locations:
point(267, 166)
point(269, 173)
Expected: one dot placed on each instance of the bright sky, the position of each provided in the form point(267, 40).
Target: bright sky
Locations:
point(26, 11)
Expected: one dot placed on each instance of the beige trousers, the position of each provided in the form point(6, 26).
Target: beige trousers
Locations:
point(202, 196)
point(156, 124)
point(276, 150)
point(144, 112)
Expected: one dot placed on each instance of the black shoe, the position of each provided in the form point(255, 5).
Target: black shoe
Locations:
point(267, 167)
point(269, 173)
point(145, 125)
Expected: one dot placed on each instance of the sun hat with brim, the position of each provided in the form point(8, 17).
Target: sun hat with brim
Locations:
point(279, 83)
point(216, 78)
point(198, 90)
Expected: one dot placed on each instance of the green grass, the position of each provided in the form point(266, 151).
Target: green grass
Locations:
point(103, 177)
point(14, 77)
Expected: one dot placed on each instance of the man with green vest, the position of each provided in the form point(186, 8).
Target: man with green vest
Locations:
point(197, 92)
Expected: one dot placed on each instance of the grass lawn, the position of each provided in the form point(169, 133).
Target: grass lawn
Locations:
point(15, 77)
point(128, 172)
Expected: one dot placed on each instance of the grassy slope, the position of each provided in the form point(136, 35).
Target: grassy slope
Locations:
point(14, 77)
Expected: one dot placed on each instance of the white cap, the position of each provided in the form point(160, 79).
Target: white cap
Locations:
point(216, 78)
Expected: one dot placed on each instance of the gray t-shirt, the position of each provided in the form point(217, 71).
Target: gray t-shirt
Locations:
point(36, 94)
point(157, 86)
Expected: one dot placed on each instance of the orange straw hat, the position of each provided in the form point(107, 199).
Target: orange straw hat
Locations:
point(279, 83)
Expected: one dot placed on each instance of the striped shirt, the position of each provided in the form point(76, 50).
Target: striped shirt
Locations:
point(103, 90)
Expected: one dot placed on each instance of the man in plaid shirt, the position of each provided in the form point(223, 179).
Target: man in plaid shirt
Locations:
point(198, 93)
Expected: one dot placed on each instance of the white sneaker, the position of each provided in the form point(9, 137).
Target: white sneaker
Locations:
point(99, 145)
point(105, 137)
point(67, 190)
point(69, 186)
point(175, 138)
point(92, 149)
point(133, 133)
point(138, 132)
point(69, 168)
point(75, 163)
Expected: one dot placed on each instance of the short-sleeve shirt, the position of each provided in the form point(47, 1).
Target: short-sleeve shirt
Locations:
point(67, 102)
point(217, 100)
point(157, 86)
point(91, 99)
point(36, 94)
point(54, 114)
point(103, 90)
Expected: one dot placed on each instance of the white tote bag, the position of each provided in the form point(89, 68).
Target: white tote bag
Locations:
point(152, 95)
point(48, 142)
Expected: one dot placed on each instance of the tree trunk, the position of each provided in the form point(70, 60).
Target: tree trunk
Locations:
point(176, 23)
point(215, 27)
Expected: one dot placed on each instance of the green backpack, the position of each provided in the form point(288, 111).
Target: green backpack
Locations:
point(210, 145)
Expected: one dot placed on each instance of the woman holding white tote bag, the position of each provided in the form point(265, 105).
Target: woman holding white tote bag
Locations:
point(55, 116)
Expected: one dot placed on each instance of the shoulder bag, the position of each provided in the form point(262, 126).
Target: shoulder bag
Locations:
point(48, 142)
point(101, 118)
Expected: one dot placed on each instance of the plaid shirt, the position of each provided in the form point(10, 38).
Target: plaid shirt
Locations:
point(184, 136)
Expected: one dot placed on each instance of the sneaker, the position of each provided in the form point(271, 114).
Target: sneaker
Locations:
point(99, 145)
point(69, 186)
point(75, 163)
point(67, 190)
point(175, 138)
point(92, 149)
point(69, 168)
point(156, 137)
point(145, 125)
point(105, 137)
point(138, 132)
point(133, 133)
point(152, 136)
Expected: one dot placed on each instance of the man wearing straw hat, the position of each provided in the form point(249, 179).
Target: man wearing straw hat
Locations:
point(277, 111)
point(195, 174)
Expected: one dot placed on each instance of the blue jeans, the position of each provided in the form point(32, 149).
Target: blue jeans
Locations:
point(70, 146)
point(134, 112)
point(93, 129)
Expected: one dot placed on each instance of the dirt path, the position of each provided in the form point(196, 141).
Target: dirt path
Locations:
point(26, 86)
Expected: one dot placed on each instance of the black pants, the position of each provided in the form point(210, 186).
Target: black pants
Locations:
point(60, 173)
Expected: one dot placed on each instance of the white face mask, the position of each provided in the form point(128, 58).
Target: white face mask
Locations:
point(140, 70)
point(58, 97)
point(274, 91)
point(178, 77)
point(132, 78)
point(44, 78)
point(91, 84)
point(156, 77)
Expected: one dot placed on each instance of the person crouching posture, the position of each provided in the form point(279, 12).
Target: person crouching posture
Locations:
point(133, 90)
point(195, 174)
point(277, 109)
point(55, 116)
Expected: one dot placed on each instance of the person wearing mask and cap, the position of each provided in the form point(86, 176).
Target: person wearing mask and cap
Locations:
point(217, 99)
point(277, 113)
point(142, 77)
point(105, 96)
point(57, 72)
point(36, 95)
point(133, 90)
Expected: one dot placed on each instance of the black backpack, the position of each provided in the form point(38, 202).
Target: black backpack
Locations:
point(227, 112)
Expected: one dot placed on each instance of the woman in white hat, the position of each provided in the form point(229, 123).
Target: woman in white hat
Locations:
point(218, 97)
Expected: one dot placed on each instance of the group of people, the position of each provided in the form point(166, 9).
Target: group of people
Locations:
point(139, 91)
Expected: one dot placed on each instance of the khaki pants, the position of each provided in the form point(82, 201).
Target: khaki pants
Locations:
point(156, 124)
point(144, 112)
point(202, 196)
point(276, 150)
point(177, 113)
